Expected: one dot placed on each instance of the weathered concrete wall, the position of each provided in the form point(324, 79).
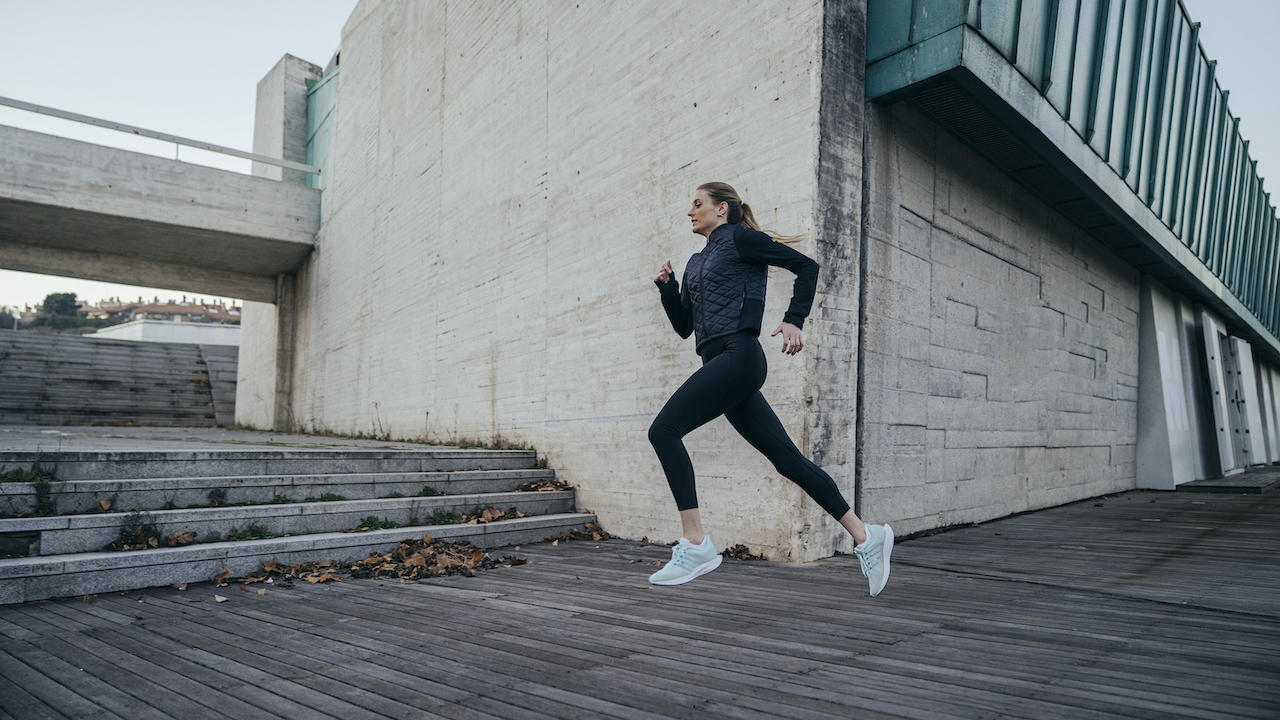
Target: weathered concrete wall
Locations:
point(505, 181)
point(1001, 342)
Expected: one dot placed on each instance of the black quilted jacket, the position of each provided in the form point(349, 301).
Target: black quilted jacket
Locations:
point(724, 285)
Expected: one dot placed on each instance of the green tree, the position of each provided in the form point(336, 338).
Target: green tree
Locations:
point(60, 304)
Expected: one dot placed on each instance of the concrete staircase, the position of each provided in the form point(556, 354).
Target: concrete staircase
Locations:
point(219, 494)
point(76, 380)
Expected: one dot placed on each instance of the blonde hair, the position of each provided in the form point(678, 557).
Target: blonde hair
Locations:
point(740, 212)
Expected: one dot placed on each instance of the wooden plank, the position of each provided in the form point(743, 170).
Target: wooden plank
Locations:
point(194, 694)
point(269, 699)
point(51, 692)
point(327, 694)
point(97, 682)
point(19, 703)
point(320, 654)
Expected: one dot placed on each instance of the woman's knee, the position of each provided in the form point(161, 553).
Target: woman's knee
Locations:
point(660, 433)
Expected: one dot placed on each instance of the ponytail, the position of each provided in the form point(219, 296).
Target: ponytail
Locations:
point(740, 212)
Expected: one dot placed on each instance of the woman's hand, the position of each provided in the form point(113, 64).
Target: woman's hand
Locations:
point(792, 342)
point(665, 273)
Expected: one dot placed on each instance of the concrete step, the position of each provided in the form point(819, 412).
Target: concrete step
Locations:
point(228, 463)
point(60, 535)
point(110, 403)
point(86, 496)
point(38, 578)
point(37, 348)
point(91, 368)
point(119, 418)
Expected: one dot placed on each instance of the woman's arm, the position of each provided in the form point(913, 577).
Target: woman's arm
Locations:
point(757, 247)
point(676, 303)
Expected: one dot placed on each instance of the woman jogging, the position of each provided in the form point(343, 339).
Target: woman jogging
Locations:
point(722, 303)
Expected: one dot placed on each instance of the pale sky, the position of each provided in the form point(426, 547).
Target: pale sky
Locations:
point(175, 66)
point(191, 69)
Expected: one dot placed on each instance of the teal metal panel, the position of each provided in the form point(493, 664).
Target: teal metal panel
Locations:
point(934, 17)
point(1034, 19)
point(1057, 81)
point(1130, 77)
point(998, 23)
point(1098, 123)
point(888, 27)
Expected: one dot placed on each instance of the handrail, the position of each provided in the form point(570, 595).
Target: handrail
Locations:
point(77, 117)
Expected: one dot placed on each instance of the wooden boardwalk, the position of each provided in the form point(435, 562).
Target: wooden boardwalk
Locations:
point(1142, 605)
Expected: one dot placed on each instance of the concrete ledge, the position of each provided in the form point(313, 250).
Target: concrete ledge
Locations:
point(27, 579)
point(89, 533)
point(83, 496)
point(207, 463)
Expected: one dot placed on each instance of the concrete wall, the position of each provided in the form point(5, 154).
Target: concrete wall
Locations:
point(1001, 354)
point(506, 179)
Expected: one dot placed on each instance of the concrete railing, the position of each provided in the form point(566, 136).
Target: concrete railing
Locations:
point(176, 139)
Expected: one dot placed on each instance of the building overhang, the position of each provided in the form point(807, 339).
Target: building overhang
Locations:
point(964, 83)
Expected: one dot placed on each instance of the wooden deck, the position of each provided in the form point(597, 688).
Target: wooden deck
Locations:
point(1143, 605)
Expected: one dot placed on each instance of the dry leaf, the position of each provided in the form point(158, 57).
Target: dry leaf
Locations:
point(270, 566)
point(221, 578)
point(181, 586)
point(219, 598)
point(105, 505)
point(555, 543)
point(182, 537)
point(262, 591)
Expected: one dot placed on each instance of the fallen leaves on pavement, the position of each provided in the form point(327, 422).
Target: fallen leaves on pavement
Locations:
point(411, 560)
point(740, 552)
point(543, 485)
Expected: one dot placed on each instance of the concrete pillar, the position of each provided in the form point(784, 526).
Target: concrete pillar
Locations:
point(280, 117)
point(265, 377)
point(1165, 440)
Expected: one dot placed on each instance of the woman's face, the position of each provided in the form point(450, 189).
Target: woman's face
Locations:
point(705, 214)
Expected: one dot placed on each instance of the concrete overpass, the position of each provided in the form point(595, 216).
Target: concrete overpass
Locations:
point(81, 210)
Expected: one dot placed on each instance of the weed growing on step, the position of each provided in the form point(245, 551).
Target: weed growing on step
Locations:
point(396, 495)
point(23, 475)
point(445, 517)
point(326, 497)
point(280, 500)
point(373, 522)
point(40, 480)
point(428, 491)
point(138, 533)
point(253, 532)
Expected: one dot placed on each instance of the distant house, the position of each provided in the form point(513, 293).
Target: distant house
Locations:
point(170, 311)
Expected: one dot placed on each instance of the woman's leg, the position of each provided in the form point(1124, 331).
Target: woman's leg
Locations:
point(759, 425)
point(716, 386)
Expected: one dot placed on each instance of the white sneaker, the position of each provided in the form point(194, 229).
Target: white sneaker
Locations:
point(688, 561)
point(874, 556)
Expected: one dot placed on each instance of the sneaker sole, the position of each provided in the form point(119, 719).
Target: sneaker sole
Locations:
point(702, 569)
point(885, 552)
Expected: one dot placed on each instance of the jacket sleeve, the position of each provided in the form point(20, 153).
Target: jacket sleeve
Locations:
point(675, 301)
point(757, 247)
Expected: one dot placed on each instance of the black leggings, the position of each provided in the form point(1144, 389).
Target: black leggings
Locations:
point(728, 383)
